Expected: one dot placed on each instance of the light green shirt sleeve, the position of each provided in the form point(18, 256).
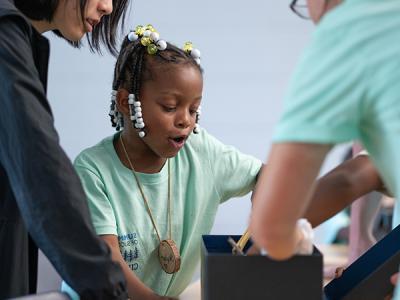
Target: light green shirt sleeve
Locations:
point(100, 207)
point(234, 173)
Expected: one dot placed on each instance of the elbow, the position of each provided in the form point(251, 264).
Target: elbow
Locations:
point(365, 178)
point(274, 239)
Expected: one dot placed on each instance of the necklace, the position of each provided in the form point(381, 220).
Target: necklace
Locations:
point(168, 252)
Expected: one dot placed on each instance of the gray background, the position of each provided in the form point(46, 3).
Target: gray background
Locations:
point(249, 50)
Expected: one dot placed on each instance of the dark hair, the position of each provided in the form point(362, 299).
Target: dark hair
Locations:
point(135, 66)
point(103, 33)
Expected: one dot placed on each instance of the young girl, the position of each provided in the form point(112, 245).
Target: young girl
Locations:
point(40, 191)
point(154, 187)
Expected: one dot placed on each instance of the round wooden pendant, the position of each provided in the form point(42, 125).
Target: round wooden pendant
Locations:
point(168, 255)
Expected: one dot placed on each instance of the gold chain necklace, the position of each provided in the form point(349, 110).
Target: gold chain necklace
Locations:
point(168, 252)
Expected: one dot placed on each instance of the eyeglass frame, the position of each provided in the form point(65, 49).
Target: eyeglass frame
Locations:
point(293, 5)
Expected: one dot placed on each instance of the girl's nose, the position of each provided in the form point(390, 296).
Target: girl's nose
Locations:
point(105, 7)
point(183, 120)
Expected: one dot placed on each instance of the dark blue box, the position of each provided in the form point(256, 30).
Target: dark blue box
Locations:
point(225, 276)
point(368, 278)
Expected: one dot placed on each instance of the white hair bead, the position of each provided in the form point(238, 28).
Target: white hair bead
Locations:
point(147, 33)
point(195, 53)
point(139, 120)
point(161, 45)
point(196, 129)
point(154, 36)
point(113, 92)
point(133, 118)
point(137, 104)
point(130, 101)
point(142, 134)
point(138, 114)
point(131, 96)
point(132, 36)
point(138, 109)
point(141, 125)
point(197, 60)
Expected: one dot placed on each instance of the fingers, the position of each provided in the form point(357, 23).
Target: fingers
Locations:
point(338, 272)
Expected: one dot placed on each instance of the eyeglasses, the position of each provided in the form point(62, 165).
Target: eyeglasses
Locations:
point(300, 8)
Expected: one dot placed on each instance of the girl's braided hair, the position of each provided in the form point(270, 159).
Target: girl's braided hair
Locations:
point(135, 65)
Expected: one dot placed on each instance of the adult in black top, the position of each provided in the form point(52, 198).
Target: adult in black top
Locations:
point(39, 190)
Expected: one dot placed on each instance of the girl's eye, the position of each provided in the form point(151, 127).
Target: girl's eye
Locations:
point(169, 108)
point(193, 111)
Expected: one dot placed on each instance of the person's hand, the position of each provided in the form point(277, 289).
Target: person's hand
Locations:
point(305, 240)
point(306, 237)
point(253, 250)
point(339, 271)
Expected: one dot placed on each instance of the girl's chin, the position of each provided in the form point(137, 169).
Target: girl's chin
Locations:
point(74, 36)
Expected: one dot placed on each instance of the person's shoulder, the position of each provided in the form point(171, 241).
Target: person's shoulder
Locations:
point(11, 17)
point(95, 154)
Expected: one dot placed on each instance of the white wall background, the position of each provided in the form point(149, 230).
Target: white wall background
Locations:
point(249, 49)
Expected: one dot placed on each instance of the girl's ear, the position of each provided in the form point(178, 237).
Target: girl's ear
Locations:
point(122, 101)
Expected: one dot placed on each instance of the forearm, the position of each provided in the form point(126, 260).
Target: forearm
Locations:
point(136, 288)
point(282, 194)
point(340, 187)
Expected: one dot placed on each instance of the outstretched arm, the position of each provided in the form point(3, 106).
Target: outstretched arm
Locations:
point(340, 187)
point(283, 193)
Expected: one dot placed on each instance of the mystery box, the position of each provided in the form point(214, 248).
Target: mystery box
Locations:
point(368, 278)
point(227, 276)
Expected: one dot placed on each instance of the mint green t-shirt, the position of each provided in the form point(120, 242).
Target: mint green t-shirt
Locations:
point(347, 85)
point(204, 174)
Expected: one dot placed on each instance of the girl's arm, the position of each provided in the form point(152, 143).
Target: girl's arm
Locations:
point(136, 288)
point(340, 187)
point(282, 195)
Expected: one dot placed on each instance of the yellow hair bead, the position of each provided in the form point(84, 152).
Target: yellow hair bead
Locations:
point(187, 47)
point(139, 30)
point(150, 27)
point(152, 49)
point(145, 41)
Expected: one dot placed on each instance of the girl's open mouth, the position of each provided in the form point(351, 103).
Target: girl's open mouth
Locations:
point(177, 142)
